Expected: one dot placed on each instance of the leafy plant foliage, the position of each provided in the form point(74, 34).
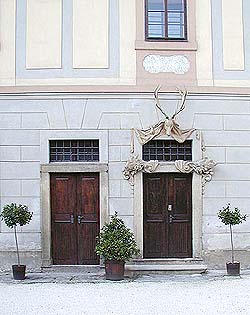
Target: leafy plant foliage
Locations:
point(116, 241)
point(231, 217)
point(14, 215)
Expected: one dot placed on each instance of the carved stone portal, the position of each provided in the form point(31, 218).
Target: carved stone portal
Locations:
point(204, 167)
point(135, 165)
point(168, 126)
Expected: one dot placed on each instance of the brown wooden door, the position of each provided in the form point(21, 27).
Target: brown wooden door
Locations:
point(88, 218)
point(167, 208)
point(75, 218)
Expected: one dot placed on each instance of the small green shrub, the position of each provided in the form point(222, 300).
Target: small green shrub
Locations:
point(14, 215)
point(116, 241)
point(231, 217)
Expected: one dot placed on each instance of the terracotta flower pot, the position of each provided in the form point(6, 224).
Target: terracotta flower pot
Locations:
point(233, 269)
point(18, 272)
point(114, 270)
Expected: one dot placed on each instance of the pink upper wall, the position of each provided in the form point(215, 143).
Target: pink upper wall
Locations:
point(186, 48)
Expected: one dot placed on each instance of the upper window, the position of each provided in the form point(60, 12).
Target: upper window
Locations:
point(166, 20)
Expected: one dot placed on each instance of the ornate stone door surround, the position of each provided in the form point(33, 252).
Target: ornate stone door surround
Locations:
point(71, 167)
point(197, 200)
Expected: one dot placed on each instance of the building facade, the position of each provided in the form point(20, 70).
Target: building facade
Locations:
point(82, 134)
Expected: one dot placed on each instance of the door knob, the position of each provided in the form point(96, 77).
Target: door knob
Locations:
point(170, 208)
point(72, 219)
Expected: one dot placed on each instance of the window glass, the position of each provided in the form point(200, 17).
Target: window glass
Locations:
point(156, 5)
point(176, 5)
point(166, 19)
point(156, 24)
point(176, 26)
point(167, 150)
point(74, 150)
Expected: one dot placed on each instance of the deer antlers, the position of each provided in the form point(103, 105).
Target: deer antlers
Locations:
point(157, 101)
point(179, 109)
point(183, 95)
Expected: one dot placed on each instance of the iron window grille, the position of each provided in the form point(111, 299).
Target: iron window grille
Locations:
point(166, 20)
point(167, 150)
point(74, 150)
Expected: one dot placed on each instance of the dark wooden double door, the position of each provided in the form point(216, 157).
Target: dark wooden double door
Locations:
point(167, 206)
point(75, 218)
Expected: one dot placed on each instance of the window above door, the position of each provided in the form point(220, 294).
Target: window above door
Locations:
point(166, 20)
point(167, 150)
point(74, 150)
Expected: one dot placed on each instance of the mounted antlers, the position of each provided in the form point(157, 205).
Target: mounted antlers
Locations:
point(168, 126)
point(183, 95)
point(157, 101)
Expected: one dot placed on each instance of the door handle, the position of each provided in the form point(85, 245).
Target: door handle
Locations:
point(170, 207)
point(79, 219)
point(71, 220)
point(171, 217)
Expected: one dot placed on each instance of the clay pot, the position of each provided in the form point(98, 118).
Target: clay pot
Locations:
point(114, 270)
point(233, 269)
point(18, 272)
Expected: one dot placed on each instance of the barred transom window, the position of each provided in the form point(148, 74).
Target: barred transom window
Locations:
point(74, 150)
point(167, 150)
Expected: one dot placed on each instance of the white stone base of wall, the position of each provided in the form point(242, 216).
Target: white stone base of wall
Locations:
point(32, 259)
point(218, 259)
point(27, 122)
point(213, 260)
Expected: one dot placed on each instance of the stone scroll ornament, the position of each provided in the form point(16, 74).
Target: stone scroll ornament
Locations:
point(204, 167)
point(135, 165)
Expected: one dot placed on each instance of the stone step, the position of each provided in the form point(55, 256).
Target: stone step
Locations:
point(167, 261)
point(165, 269)
point(138, 266)
point(96, 269)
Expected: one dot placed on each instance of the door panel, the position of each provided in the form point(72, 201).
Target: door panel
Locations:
point(154, 215)
point(167, 215)
point(75, 218)
point(88, 217)
point(181, 228)
point(179, 240)
point(63, 204)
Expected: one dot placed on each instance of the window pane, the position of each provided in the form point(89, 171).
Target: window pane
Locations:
point(156, 5)
point(175, 31)
point(176, 27)
point(156, 31)
point(177, 5)
point(156, 18)
point(175, 18)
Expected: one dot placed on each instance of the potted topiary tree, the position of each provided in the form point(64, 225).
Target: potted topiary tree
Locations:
point(14, 215)
point(232, 217)
point(116, 244)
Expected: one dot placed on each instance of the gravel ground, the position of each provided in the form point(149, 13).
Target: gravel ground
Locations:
point(146, 295)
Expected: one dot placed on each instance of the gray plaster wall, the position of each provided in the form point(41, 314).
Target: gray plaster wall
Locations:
point(224, 120)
